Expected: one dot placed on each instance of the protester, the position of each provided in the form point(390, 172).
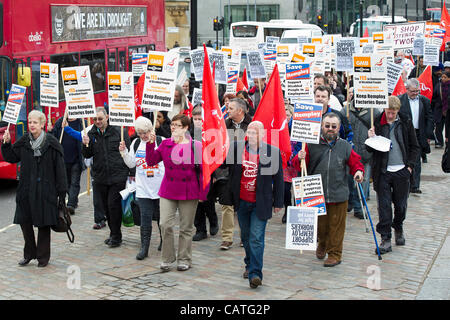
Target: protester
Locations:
point(256, 179)
point(225, 101)
point(162, 125)
point(238, 121)
point(418, 69)
point(399, 58)
point(148, 181)
point(42, 185)
point(109, 171)
point(321, 80)
point(391, 171)
point(360, 119)
point(257, 91)
point(244, 96)
point(180, 103)
point(330, 158)
point(445, 89)
point(437, 110)
point(417, 108)
point(205, 208)
point(186, 88)
point(447, 65)
point(180, 189)
point(336, 85)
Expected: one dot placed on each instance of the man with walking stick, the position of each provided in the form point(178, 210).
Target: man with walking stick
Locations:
point(391, 171)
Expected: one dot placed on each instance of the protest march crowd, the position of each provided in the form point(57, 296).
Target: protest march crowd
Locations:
point(292, 123)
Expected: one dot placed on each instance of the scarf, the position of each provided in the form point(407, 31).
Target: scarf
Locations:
point(36, 144)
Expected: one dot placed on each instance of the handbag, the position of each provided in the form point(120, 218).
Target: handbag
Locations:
point(445, 163)
point(127, 212)
point(64, 221)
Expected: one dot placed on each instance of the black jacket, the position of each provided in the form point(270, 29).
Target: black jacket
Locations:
point(56, 132)
point(269, 187)
point(108, 166)
point(425, 119)
point(42, 180)
point(406, 137)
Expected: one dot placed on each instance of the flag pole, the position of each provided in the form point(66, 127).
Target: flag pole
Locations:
point(88, 176)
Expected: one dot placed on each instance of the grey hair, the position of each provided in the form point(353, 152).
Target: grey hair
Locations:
point(102, 110)
point(37, 115)
point(331, 115)
point(413, 83)
point(257, 124)
point(240, 104)
point(143, 124)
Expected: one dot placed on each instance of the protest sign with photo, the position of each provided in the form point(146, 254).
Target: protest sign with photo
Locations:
point(121, 98)
point(404, 34)
point(431, 55)
point(370, 79)
point(298, 81)
point(197, 97)
point(306, 122)
point(312, 192)
point(49, 94)
point(220, 60)
point(233, 76)
point(256, 65)
point(14, 103)
point(394, 72)
point(78, 91)
point(418, 45)
point(345, 49)
point(159, 85)
point(301, 228)
point(197, 60)
point(139, 63)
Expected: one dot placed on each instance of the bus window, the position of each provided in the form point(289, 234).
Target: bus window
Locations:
point(36, 81)
point(5, 85)
point(123, 60)
point(245, 31)
point(112, 60)
point(275, 32)
point(63, 61)
point(96, 63)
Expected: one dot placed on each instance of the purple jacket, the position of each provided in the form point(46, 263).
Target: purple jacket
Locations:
point(180, 179)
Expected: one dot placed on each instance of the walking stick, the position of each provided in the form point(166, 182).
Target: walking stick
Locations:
point(362, 207)
point(370, 219)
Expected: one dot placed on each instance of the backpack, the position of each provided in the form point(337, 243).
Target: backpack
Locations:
point(137, 142)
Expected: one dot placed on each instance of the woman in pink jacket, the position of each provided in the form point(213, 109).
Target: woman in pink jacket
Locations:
point(180, 189)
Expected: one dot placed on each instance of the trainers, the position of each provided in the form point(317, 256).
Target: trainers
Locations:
point(199, 236)
point(213, 230)
point(100, 225)
point(255, 282)
point(385, 246)
point(183, 267)
point(245, 274)
point(166, 266)
point(226, 245)
point(399, 238)
point(359, 215)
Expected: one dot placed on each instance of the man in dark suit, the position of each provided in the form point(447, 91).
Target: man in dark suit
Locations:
point(418, 108)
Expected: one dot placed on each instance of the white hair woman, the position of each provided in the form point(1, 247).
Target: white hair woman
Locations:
point(148, 181)
point(42, 183)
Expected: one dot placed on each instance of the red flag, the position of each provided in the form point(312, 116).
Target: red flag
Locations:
point(244, 79)
point(215, 142)
point(366, 33)
point(272, 113)
point(240, 86)
point(399, 87)
point(426, 83)
point(445, 24)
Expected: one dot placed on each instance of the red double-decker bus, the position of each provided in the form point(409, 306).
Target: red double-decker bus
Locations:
point(98, 33)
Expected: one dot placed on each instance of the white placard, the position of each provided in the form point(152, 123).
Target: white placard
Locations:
point(394, 72)
point(312, 192)
point(418, 45)
point(306, 122)
point(49, 94)
point(431, 55)
point(121, 99)
point(301, 228)
point(197, 60)
point(78, 91)
point(256, 64)
point(14, 103)
point(221, 66)
point(345, 49)
point(139, 63)
point(197, 97)
point(404, 33)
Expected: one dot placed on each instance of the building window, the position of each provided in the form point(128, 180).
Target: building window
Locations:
point(63, 61)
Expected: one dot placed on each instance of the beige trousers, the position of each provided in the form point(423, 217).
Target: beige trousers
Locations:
point(227, 228)
point(187, 209)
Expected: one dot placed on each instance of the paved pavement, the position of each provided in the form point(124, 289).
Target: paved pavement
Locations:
point(89, 270)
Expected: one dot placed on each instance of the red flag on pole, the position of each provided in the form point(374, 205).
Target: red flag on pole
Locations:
point(445, 24)
point(399, 87)
point(240, 86)
point(366, 33)
point(244, 79)
point(426, 83)
point(215, 142)
point(272, 113)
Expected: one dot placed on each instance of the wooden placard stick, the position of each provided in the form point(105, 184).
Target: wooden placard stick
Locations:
point(88, 176)
point(348, 94)
point(155, 115)
point(260, 90)
point(371, 117)
point(7, 129)
point(121, 133)
point(62, 127)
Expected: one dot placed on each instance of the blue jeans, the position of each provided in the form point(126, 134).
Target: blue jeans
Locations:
point(354, 198)
point(252, 234)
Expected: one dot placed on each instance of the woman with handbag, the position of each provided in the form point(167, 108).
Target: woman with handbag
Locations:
point(42, 185)
point(148, 181)
point(180, 189)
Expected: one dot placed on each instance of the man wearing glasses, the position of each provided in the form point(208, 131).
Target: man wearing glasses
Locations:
point(418, 108)
point(109, 171)
point(330, 158)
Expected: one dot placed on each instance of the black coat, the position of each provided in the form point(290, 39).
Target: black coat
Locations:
point(108, 166)
point(269, 187)
point(56, 132)
point(425, 119)
point(406, 137)
point(42, 179)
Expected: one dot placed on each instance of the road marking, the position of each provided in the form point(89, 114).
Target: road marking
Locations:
point(84, 193)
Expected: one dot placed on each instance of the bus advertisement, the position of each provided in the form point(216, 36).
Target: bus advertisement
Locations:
point(71, 33)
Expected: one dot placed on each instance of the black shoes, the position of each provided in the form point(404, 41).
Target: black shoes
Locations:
point(416, 190)
point(24, 262)
point(385, 246)
point(199, 236)
point(71, 210)
point(349, 208)
point(42, 264)
point(213, 230)
point(283, 220)
point(399, 238)
point(112, 244)
point(358, 214)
